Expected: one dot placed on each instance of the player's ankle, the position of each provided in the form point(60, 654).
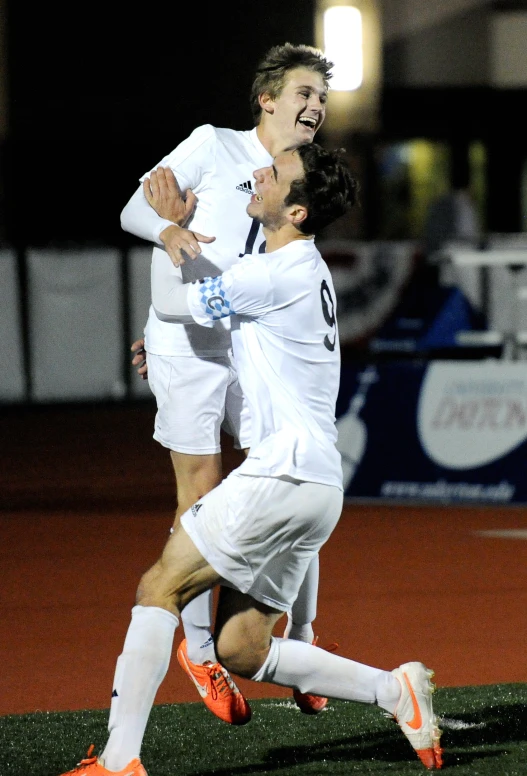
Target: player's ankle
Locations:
point(300, 632)
point(387, 691)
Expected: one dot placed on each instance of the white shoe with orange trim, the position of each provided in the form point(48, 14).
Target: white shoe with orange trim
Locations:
point(415, 715)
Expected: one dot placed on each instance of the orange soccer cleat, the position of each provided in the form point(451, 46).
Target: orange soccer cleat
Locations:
point(91, 766)
point(312, 704)
point(216, 688)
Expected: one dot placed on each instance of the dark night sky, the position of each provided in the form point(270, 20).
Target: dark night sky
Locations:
point(100, 92)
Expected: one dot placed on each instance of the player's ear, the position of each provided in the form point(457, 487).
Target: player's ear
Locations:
point(297, 214)
point(266, 102)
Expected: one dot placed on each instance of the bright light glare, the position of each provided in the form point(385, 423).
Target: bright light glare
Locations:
point(343, 46)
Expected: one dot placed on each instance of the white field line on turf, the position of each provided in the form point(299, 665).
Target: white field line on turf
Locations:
point(288, 705)
point(458, 724)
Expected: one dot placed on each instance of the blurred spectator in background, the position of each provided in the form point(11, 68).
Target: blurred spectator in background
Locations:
point(452, 217)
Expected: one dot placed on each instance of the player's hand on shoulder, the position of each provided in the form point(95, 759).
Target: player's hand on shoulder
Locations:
point(162, 192)
point(139, 359)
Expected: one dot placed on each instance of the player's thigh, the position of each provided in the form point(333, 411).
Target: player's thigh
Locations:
point(180, 574)
point(195, 476)
point(190, 394)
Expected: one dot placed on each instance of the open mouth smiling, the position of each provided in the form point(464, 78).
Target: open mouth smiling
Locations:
point(308, 121)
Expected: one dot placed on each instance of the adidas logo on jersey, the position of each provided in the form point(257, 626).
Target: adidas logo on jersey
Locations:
point(195, 508)
point(246, 187)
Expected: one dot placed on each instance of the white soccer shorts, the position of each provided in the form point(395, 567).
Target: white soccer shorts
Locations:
point(260, 533)
point(196, 397)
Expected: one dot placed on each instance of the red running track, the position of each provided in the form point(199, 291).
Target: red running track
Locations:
point(87, 503)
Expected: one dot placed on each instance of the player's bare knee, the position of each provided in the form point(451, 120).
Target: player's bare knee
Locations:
point(147, 590)
point(147, 585)
point(153, 590)
point(240, 659)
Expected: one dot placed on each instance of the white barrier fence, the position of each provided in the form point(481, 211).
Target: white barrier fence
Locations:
point(68, 316)
point(12, 382)
point(63, 330)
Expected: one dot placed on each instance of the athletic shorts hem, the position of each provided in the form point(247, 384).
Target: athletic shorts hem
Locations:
point(224, 353)
point(278, 605)
point(187, 450)
point(240, 445)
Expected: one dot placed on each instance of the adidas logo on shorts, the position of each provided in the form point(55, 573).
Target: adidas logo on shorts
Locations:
point(246, 187)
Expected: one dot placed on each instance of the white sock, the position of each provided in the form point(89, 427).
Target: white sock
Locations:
point(298, 632)
point(304, 609)
point(140, 669)
point(196, 618)
point(313, 670)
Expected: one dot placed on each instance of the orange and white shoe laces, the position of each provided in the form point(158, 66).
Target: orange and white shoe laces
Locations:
point(216, 688)
point(91, 766)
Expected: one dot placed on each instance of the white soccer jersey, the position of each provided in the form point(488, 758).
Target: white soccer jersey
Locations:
point(218, 165)
point(285, 343)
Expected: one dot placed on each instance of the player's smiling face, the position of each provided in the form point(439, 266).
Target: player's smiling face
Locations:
point(300, 108)
point(272, 187)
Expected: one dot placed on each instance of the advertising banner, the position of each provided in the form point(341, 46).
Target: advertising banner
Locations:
point(443, 431)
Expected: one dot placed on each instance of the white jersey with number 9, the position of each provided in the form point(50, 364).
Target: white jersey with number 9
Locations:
point(286, 348)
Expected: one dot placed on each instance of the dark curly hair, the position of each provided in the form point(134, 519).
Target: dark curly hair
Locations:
point(327, 190)
point(272, 71)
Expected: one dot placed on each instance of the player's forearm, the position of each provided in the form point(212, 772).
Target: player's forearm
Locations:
point(142, 220)
point(169, 293)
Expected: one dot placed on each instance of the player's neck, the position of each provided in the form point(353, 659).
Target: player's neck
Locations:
point(274, 145)
point(274, 240)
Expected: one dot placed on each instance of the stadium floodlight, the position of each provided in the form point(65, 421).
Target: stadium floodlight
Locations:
point(343, 46)
point(349, 32)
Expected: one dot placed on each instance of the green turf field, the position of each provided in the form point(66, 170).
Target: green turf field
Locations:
point(485, 732)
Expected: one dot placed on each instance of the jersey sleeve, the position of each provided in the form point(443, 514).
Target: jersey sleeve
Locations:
point(169, 293)
point(245, 289)
point(137, 217)
point(191, 158)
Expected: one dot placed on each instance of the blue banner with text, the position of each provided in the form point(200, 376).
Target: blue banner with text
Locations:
point(436, 432)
